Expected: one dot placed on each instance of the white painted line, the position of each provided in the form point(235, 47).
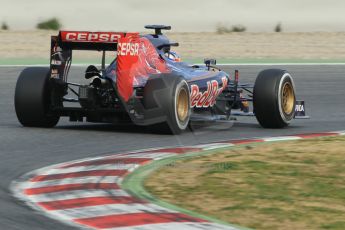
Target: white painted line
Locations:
point(214, 146)
point(88, 159)
point(153, 156)
point(224, 64)
point(24, 65)
point(77, 180)
point(175, 226)
point(341, 133)
point(140, 152)
point(110, 209)
point(39, 65)
point(66, 195)
point(89, 168)
point(283, 138)
point(280, 64)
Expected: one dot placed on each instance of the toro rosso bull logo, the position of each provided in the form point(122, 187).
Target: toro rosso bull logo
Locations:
point(209, 97)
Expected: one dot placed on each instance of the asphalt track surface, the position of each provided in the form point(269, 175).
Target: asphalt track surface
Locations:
point(25, 149)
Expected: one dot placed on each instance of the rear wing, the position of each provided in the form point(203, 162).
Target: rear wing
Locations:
point(83, 40)
point(66, 41)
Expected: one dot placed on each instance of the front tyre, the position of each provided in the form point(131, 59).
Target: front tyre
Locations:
point(32, 98)
point(274, 98)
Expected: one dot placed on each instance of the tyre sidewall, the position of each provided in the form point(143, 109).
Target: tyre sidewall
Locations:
point(175, 121)
point(286, 117)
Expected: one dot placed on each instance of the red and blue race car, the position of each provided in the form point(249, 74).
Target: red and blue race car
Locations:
point(146, 84)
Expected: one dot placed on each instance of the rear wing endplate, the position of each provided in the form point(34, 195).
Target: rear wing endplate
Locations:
point(66, 41)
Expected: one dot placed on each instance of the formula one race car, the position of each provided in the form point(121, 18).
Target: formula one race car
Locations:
point(146, 84)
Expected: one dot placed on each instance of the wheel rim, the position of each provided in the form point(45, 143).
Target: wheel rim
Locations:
point(288, 98)
point(182, 105)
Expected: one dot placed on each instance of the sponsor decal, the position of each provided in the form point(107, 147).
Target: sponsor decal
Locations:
point(56, 62)
point(128, 55)
point(299, 108)
point(54, 73)
point(209, 97)
point(103, 37)
point(127, 48)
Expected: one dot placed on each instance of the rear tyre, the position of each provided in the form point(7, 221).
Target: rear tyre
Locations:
point(175, 105)
point(179, 116)
point(32, 98)
point(274, 98)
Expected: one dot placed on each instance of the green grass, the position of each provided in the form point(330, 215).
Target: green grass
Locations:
point(292, 185)
point(335, 225)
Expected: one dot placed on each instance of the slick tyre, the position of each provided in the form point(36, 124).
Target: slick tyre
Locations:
point(32, 98)
point(274, 98)
point(174, 101)
point(179, 115)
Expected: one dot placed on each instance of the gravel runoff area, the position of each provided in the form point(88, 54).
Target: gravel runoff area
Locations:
point(284, 46)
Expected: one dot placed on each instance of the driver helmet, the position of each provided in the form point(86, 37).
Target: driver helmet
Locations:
point(173, 56)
